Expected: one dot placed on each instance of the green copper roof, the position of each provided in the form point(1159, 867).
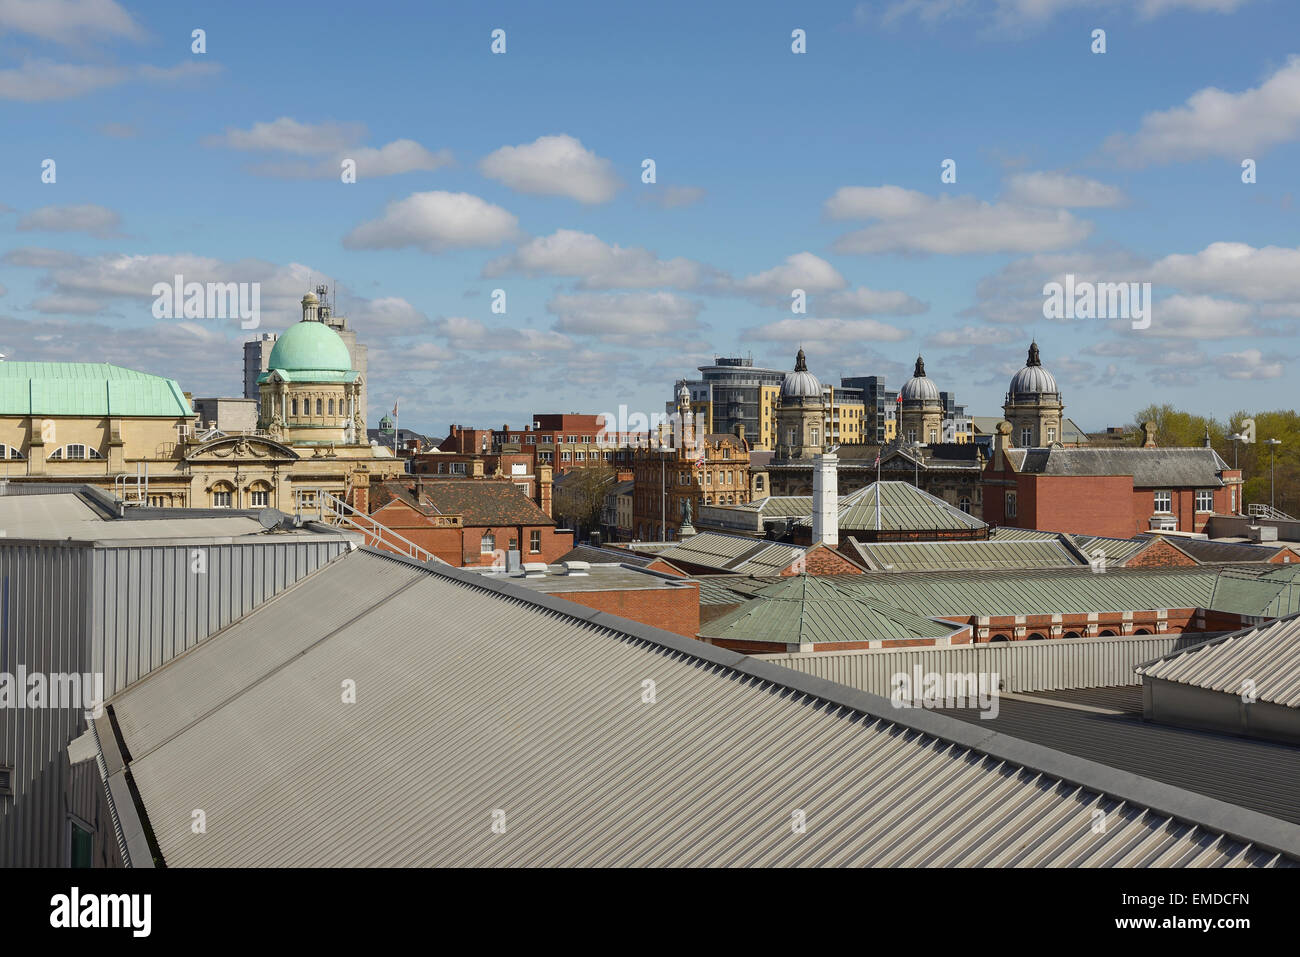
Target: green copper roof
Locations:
point(310, 347)
point(87, 388)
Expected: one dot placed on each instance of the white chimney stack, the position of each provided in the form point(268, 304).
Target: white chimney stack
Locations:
point(826, 500)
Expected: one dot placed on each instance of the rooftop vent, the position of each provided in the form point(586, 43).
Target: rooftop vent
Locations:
point(1263, 533)
point(534, 569)
point(577, 568)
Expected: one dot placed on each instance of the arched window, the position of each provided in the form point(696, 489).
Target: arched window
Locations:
point(1000, 638)
point(1071, 634)
point(74, 452)
point(1141, 631)
point(223, 495)
point(1108, 633)
point(259, 495)
point(318, 407)
point(331, 406)
point(487, 544)
point(9, 452)
point(1035, 637)
point(293, 406)
point(964, 505)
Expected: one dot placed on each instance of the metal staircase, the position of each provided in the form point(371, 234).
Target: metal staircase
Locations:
point(1268, 511)
point(332, 510)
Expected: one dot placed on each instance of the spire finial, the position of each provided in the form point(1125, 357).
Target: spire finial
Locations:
point(800, 363)
point(919, 371)
point(1033, 354)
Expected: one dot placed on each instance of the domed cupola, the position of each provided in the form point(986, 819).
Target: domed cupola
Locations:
point(1033, 379)
point(919, 388)
point(800, 384)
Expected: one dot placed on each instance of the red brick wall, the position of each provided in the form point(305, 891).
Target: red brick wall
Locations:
point(1285, 556)
point(1160, 554)
point(672, 609)
point(822, 560)
point(660, 565)
point(461, 547)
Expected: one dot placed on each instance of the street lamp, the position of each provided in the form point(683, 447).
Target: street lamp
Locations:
point(1236, 437)
point(1272, 444)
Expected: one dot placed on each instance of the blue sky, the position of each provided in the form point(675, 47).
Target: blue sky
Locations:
point(775, 171)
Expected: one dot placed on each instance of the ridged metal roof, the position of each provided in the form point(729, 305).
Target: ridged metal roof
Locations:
point(730, 553)
point(903, 506)
point(812, 609)
point(1012, 553)
point(474, 698)
point(87, 388)
point(1264, 591)
point(1268, 656)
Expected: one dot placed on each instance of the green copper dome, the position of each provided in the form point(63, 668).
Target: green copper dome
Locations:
point(310, 347)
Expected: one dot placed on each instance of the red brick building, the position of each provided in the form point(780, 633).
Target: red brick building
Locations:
point(468, 522)
point(1111, 492)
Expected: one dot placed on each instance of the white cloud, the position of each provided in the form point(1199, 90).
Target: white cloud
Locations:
point(623, 316)
point(1236, 269)
point(99, 221)
point(1216, 123)
point(39, 80)
point(803, 271)
point(553, 166)
point(972, 336)
point(673, 197)
point(874, 302)
point(1200, 317)
point(597, 264)
point(388, 316)
point(465, 333)
point(435, 222)
point(1014, 294)
point(68, 21)
point(1060, 189)
point(1249, 364)
point(287, 135)
point(912, 222)
point(827, 331)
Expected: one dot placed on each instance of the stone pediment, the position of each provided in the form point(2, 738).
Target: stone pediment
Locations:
point(242, 448)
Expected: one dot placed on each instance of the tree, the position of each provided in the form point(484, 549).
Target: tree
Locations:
point(580, 497)
point(1175, 428)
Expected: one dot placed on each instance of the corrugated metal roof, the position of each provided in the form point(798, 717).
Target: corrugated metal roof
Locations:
point(810, 609)
point(730, 553)
point(1267, 656)
point(66, 516)
point(1263, 591)
point(1257, 775)
point(478, 704)
point(1115, 550)
point(902, 507)
point(87, 388)
point(1012, 553)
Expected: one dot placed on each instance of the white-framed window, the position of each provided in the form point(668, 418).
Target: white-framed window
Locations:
point(580, 456)
point(1026, 437)
point(911, 435)
point(319, 407)
point(1051, 434)
point(457, 468)
point(1164, 500)
point(1204, 500)
point(487, 544)
point(934, 436)
point(260, 498)
point(816, 436)
point(221, 499)
point(75, 451)
point(964, 505)
point(9, 452)
point(534, 542)
point(708, 478)
point(566, 456)
point(1011, 505)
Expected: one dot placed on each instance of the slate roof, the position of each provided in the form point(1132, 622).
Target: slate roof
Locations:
point(481, 502)
point(1221, 553)
point(1150, 468)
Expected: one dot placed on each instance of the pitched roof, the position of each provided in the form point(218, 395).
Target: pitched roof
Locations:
point(482, 502)
point(1045, 552)
point(811, 609)
point(903, 506)
point(1263, 591)
point(1150, 468)
point(437, 747)
point(1221, 553)
point(731, 553)
point(1116, 551)
point(1267, 655)
point(87, 389)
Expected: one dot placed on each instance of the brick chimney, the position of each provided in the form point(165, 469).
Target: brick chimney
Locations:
point(544, 484)
point(826, 500)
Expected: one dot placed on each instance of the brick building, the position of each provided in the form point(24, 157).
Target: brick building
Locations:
point(1112, 492)
point(468, 522)
point(702, 470)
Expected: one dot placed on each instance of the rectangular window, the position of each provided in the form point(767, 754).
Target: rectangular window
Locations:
point(1164, 500)
point(534, 542)
point(260, 499)
point(457, 468)
point(547, 440)
point(1026, 437)
point(1204, 500)
point(1011, 505)
point(221, 499)
point(1051, 435)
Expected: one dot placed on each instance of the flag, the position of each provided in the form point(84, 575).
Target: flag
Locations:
point(394, 407)
point(876, 463)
